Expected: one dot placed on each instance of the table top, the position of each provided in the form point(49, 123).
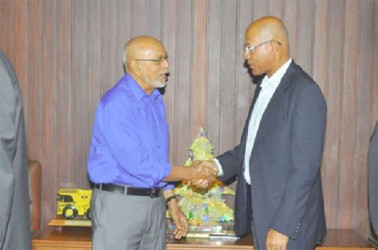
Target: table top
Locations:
point(342, 238)
point(213, 241)
point(82, 235)
point(336, 238)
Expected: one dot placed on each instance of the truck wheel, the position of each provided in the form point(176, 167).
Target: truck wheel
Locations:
point(69, 212)
point(89, 215)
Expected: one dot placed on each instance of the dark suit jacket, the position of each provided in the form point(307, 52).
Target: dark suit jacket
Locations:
point(14, 193)
point(373, 179)
point(286, 189)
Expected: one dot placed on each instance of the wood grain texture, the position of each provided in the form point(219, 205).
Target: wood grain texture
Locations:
point(68, 53)
point(80, 238)
point(49, 96)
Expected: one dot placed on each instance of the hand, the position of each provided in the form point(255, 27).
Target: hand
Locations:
point(211, 165)
point(276, 240)
point(179, 219)
point(205, 173)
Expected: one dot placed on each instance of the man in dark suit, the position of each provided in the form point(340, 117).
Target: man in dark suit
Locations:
point(14, 193)
point(277, 163)
point(373, 179)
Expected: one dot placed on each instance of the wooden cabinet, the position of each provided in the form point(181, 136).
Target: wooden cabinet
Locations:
point(79, 238)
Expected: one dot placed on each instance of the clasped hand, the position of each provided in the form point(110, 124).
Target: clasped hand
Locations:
point(205, 172)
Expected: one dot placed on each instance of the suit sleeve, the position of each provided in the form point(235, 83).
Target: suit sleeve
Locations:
point(230, 163)
point(307, 140)
point(8, 114)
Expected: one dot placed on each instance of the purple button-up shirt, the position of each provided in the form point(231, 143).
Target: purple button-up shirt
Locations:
point(130, 138)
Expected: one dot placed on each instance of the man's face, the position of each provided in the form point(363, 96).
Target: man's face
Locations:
point(154, 67)
point(257, 53)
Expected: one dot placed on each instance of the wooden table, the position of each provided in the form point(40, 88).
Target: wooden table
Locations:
point(79, 238)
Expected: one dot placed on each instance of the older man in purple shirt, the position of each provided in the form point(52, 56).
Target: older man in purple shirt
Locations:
point(128, 158)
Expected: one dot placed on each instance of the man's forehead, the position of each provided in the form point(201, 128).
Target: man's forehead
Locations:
point(256, 34)
point(249, 37)
point(155, 51)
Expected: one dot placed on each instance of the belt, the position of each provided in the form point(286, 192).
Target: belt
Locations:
point(151, 192)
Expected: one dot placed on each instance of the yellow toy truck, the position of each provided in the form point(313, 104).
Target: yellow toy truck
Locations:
point(73, 202)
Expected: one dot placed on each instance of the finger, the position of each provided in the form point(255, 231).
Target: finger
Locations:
point(204, 184)
point(213, 170)
point(198, 165)
point(178, 226)
point(201, 183)
point(177, 230)
point(179, 234)
point(185, 231)
point(184, 228)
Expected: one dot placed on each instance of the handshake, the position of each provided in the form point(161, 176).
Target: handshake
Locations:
point(202, 173)
point(199, 173)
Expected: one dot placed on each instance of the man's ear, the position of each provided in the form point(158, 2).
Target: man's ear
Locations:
point(135, 68)
point(275, 45)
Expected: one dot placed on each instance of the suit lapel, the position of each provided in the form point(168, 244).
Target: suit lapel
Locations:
point(275, 110)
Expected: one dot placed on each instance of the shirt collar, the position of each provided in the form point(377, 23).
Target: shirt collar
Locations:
point(138, 92)
point(276, 78)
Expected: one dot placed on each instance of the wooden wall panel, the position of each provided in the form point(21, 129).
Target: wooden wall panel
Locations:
point(21, 46)
point(138, 18)
point(68, 53)
point(154, 21)
point(123, 30)
point(276, 7)
point(215, 73)
point(228, 68)
point(48, 87)
point(79, 91)
point(244, 85)
point(259, 9)
point(332, 191)
point(94, 63)
point(348, 112)
point(172, 41)
point(291, 19)
point(198, 83)
point(178, 87)
point(321, 39)
point(35, 100)
point(7, 27)
point(64, 103)
point(109, 57)
point(306, 35)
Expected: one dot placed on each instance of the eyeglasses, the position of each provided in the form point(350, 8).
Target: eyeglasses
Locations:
point(250, 49)
point(158, 61)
